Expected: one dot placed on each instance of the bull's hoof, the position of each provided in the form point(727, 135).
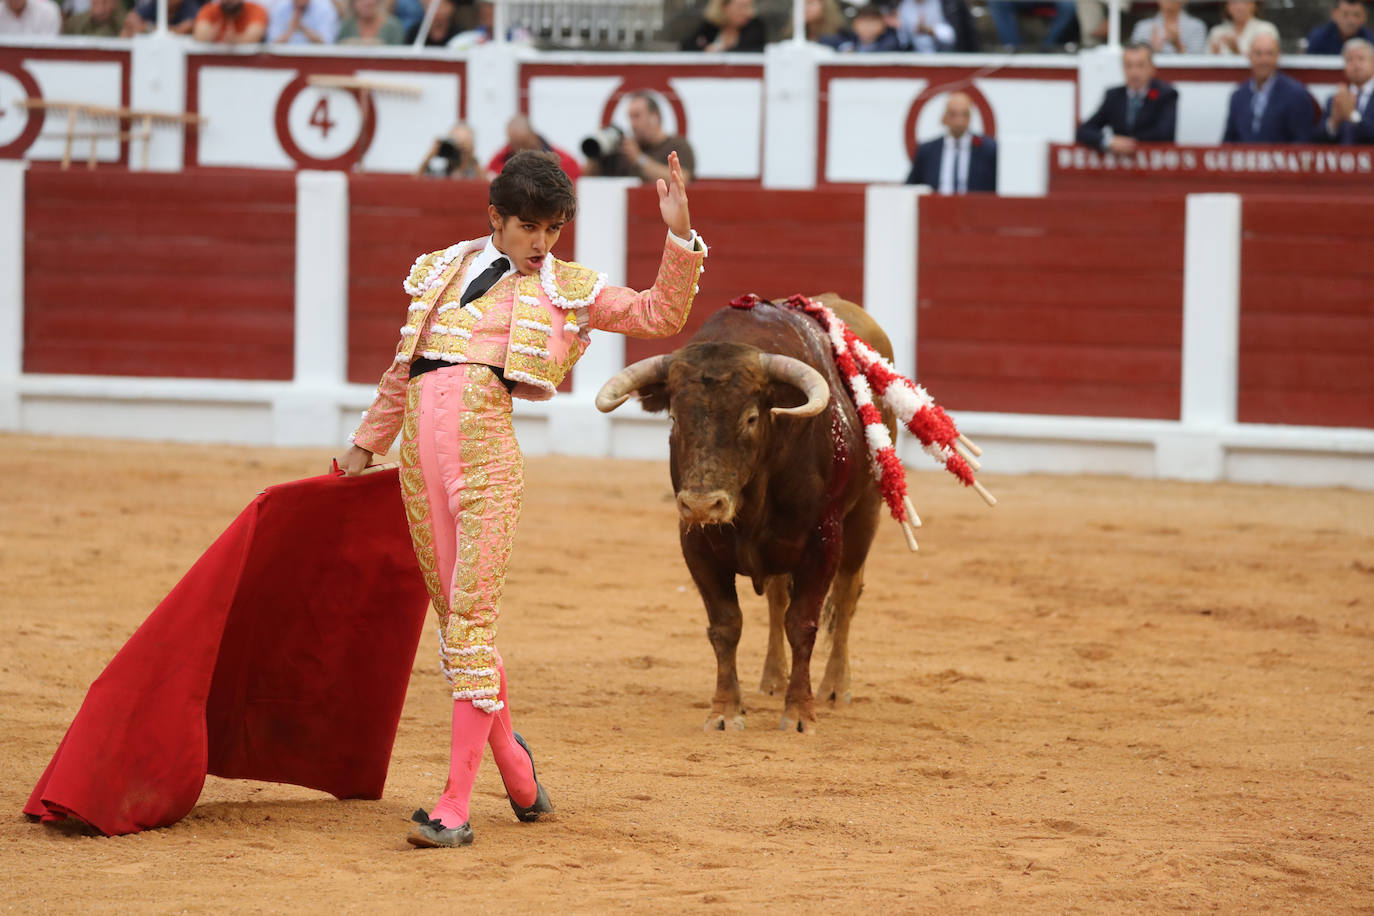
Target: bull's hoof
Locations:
point(801, 726)
point(839, 698)
point(771, 684)
point(719, 723)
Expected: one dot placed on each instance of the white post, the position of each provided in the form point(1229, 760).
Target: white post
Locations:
point(790, 115)
point(576, 427)
point(11, 289)
point(891, 240)
point(493, 94)
point(500, 21)
point(1114, 23)
point(1023, 166)
point(308, 413)
point(799, 22)
point(1211, 339)
point(158, 83)
point(161, 17)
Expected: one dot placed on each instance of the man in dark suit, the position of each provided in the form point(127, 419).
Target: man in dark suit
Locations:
point(1350, 113)
point(960, 161)
point(1271, 107)
point(1347, 22)
point(1145, 110)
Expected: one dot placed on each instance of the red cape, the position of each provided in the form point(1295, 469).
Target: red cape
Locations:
point(282, 655)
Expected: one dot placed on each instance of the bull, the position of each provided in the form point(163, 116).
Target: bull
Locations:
point(771, 472)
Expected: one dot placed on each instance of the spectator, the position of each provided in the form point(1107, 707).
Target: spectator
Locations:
point(1009, 32)
point(727, 25)
point(105, 18)
point(1092, 20)
point(1144, 110)
point(371, 25)
point(303, 22)
point(442, 29)
point(453, 156)
point(1234, 37)
point(521, 136)
point(181, 16)
point(1347, 22)
point(230, 22)
point(644, 153)
point(1172, 31)
point(824, 21)
point(30, 17)
point(870, 32)
point(410, 12)
point(1350, 112)
point(1271, 107)
point(960, 161)
point(929, 25)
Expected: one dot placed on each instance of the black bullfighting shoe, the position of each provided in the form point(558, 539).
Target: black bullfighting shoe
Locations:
point(430, 832)
point(541, 805)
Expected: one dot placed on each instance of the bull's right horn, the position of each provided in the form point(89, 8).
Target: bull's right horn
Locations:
point(627, 381)
point(797, 373)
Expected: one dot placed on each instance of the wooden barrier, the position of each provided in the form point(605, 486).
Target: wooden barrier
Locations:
point(186, 275)
point(773, 243)
point(1070, 305)
point(1307, 312)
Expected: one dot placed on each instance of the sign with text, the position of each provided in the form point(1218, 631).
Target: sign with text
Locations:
point(1237, 167)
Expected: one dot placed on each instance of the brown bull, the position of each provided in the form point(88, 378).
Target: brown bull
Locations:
point(771, 471)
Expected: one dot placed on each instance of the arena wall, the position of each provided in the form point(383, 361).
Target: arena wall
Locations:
point(1212, 337)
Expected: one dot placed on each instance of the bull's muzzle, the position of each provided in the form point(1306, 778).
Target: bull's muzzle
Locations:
point(709, 507)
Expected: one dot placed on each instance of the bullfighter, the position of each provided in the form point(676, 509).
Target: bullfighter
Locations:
point(488, 320)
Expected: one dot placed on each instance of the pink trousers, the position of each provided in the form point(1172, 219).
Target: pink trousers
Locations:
point(462, 477)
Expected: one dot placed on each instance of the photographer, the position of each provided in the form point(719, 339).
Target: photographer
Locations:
point(644, 153)
point(452, 156)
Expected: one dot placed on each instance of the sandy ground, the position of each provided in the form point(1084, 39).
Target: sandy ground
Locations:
point(1105, 695)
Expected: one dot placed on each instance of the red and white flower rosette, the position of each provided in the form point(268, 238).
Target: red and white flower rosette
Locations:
point(870, 376)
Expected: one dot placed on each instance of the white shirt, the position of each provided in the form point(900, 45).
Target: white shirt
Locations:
point(40, 17)
point(911, 12)
point(489, 253)
point(1253, 29)
point(957, 154)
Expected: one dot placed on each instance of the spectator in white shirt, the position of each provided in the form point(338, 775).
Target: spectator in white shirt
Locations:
point(1350, 112)
point(923, 27)
point(1172, 31)
point(30, 17)
point(961, 161)
point(1234, 36)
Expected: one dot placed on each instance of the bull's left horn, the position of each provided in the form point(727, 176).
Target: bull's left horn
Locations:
point(627, 381)
point(797, 373)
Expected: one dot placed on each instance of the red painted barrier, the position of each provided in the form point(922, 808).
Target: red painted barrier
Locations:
point(773, 243)
point(184, 275)
point(1307, 312)
point(1070, 305)
point(392, 219)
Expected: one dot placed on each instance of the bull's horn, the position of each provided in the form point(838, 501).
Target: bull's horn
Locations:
point(797, 373)
point(627, 381)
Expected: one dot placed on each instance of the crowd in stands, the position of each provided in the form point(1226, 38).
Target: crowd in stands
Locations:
point(1167, 26)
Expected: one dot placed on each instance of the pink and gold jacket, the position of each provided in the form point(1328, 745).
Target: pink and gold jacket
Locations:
point(535, 327)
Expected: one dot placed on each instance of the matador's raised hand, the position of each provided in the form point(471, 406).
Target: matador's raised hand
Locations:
point(672, 200)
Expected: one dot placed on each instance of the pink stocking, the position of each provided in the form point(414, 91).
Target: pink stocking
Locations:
point(517, 771)
point(470, 729)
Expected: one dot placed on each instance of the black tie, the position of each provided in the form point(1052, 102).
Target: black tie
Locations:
point(1133, 104)
point(485, 280)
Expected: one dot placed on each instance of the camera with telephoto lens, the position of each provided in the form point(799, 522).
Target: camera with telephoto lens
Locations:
point(603, 143)
point(448, 158)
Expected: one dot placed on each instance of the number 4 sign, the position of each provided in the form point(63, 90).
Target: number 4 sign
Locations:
point(322, 127)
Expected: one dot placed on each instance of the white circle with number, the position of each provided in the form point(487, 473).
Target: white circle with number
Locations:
point(325, 123)
point(13, 118)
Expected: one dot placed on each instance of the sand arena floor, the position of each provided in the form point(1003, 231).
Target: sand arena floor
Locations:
point(1105, 695)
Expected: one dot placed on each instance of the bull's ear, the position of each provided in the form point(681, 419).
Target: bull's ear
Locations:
point(654, 397)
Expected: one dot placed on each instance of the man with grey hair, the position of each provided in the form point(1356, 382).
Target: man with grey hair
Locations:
point(1270, 107)
point(1171, 30)
point(1350, 112)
